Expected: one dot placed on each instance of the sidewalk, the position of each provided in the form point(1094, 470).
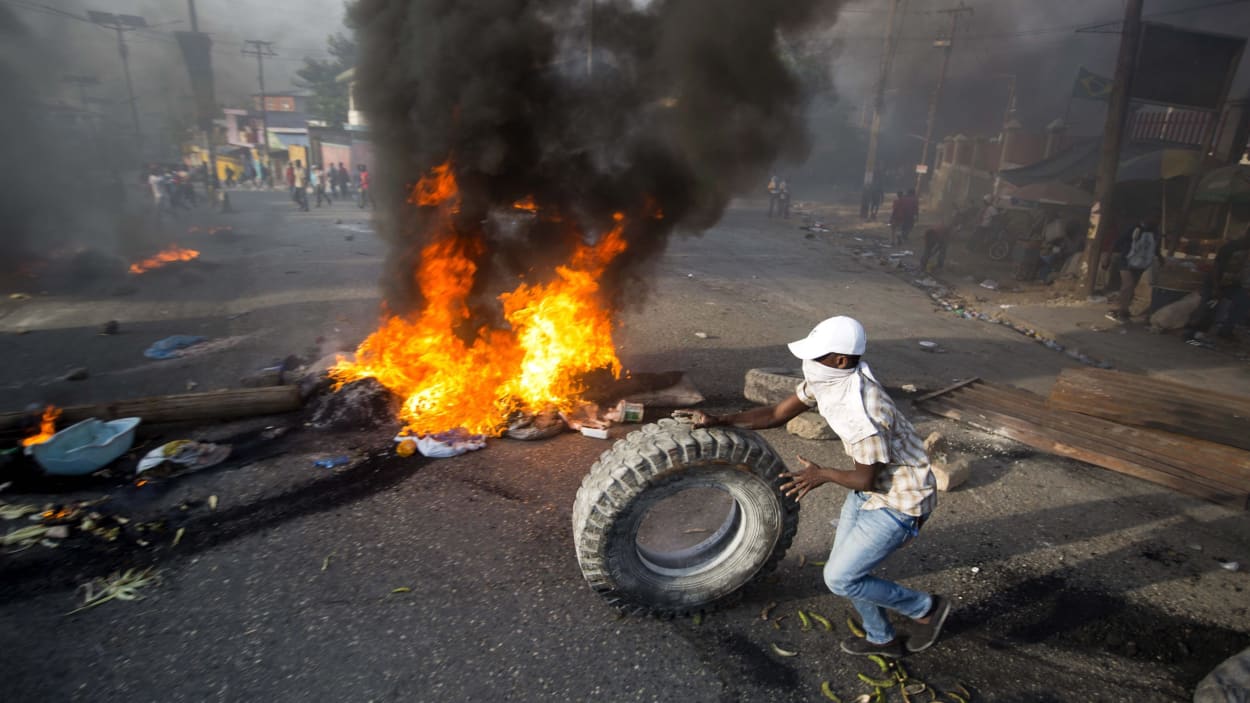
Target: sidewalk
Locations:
point(1049, 314)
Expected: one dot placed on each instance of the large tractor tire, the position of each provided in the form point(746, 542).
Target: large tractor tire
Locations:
point(654, 464)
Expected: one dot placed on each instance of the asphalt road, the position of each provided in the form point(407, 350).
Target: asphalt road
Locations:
point(1070, 583)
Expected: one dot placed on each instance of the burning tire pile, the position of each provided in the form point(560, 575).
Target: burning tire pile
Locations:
point(652, 465)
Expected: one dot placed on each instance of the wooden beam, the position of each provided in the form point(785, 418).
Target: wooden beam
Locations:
point(188, 407)
point(1154, 403)
point(1196, 467)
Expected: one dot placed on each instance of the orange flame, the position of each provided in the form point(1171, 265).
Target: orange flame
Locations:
point(47, 427)
point(170, 255)
point(527, 204)
point(559, 331)
point(438, 188)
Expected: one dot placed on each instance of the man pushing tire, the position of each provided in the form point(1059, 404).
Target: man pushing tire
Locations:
point(893, 491)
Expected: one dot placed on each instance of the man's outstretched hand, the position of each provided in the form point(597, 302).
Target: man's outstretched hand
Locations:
point(698, 418)
point(802, 482)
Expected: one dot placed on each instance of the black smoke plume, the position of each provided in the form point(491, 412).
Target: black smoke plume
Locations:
point(683, 104)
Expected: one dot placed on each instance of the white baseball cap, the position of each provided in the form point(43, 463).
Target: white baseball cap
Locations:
point(837, 335)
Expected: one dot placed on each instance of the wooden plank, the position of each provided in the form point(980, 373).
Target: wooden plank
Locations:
point(188, 407)
point(1154, 403)
point(1117, 452)
point(1197, 456)
point(1021, 431)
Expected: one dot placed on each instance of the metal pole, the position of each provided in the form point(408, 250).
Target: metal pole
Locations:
point(130, 88)
point(264, 111)
point(1113, 137)
point(878, 105)
point(936, 98)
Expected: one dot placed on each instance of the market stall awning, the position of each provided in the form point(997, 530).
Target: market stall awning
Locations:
point(1080, 161)
point(1230, 184)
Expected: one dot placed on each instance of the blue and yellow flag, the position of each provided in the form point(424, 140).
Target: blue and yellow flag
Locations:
point(1091, 86)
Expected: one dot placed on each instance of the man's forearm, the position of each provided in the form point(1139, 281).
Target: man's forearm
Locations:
point(860, 478)
point(753, 419)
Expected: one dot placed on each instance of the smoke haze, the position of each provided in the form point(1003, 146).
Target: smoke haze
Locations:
point(687, 103)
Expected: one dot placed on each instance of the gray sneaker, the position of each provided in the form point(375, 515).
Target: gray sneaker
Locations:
point(923, 636)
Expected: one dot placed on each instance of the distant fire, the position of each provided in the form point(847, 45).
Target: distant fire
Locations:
point(47, 427)
point(558, 331)
point(170, 255)
point(526, 204)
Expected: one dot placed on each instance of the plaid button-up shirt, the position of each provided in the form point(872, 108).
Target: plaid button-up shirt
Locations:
point(906, 484)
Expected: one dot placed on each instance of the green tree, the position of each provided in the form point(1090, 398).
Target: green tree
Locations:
point(329, 97)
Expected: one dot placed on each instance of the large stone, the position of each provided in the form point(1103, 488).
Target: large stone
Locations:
point(951, 474)
point(769, 386)
point(810, 425)
point(1227, 683)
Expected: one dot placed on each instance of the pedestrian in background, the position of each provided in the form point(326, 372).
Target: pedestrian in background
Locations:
point(773, 198)
point(893, 491)
point(897, 208)
point(300, 189)
point(364, 193)
point(319, 186)
point(1225, 293)
point(1139, 247)
point(876, 198)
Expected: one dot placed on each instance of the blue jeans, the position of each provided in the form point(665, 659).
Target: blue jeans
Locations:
point(864, 539)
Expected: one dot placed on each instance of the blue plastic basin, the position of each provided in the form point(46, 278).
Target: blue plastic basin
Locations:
point(85, 447)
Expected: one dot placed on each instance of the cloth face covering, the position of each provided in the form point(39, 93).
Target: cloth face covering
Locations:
point(840, 398)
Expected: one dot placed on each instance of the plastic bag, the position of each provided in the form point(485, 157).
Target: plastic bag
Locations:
point(450, 443)
point(169, 347)
point(186, 454)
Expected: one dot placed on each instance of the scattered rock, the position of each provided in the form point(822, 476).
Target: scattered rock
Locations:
point(810, 425)
point(769, 386)
point(1230, 681)
point(951, 475)
point(111, 327)
point(77, 374)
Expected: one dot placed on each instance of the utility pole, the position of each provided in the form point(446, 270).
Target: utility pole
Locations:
point(122, 24)
point(878, 105)
point(210, 183)
point(261, 49)
point(946, 45)
point(1112, 138)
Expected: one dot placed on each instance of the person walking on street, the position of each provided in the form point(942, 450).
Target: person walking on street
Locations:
point(301, 186)
point(893, 491)
point(157, 186)
point(911, 213)
point(319, 186)
point(783, 197)
point(876, 197)
point(364, 193)
point(1139, 247)
point(897, 208)
point(773, 201)
point(290, 181)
